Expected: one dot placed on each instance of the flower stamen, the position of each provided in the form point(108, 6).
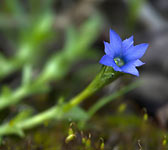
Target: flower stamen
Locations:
point(119, 62)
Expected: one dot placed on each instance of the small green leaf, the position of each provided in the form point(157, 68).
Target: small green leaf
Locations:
point(76, 113)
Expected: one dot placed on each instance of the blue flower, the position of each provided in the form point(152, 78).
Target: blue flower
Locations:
point(123, 56)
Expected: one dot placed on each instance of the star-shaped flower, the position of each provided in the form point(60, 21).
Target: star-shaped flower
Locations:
point(123, 56)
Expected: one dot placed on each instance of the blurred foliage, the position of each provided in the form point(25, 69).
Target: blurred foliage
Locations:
point(24, 119)
point(124, 131)
point(55, 69)
point(134, 7)
point(29, 30)
point(30, 48)
point(35, 53)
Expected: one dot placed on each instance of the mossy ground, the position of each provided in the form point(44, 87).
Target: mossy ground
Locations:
point(119, 131)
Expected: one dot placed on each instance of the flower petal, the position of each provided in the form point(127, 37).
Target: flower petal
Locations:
point(130, 68)
point(108, 50)
point(135, 52)
point(108, 61)
point(127, 43)
point(138, 63)
point(115, 42)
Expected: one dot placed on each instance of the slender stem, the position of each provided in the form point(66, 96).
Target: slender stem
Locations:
point(38, 119)
point(105, 76)
point(12, 99)
point(107, 99)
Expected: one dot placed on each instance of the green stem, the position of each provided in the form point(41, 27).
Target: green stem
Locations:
point(7, 100)
point(38, 119)
point(105, 100)
point(106, 75)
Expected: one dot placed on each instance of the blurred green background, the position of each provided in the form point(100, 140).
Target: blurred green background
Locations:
point(49, 52)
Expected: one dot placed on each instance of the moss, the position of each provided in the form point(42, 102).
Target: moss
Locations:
point(118, 130)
